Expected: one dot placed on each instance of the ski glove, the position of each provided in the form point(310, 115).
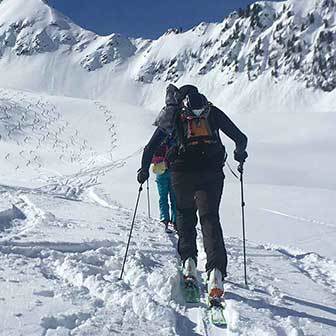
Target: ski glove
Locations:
point(142, 176)
point(240, 156)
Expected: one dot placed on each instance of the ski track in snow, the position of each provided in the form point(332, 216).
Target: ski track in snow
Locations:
point(86, 273)
point(274, 303)
point(320, 269)
point(59, 268)
point(34, 122)
point(309, 220)
point(41, 124)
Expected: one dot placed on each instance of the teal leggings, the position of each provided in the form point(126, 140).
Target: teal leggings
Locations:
point(165, 190)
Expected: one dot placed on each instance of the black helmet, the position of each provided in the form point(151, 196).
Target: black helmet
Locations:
point(195, 102)
point(187, 89)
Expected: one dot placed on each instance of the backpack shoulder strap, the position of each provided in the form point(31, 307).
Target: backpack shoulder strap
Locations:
point(179, 131)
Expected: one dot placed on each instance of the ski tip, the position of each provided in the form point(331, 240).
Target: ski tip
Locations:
point(191, 292)
point(217, 317)
point(221, 324)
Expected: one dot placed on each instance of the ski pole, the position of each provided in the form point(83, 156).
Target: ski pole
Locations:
point(148, 200)
point(240, 169)
point(130, 234)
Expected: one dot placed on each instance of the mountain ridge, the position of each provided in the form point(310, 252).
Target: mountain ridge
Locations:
point(289, 39)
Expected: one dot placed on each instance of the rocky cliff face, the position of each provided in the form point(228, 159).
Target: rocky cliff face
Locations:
point(293, 38)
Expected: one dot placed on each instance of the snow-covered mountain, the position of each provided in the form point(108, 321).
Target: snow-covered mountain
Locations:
point(30, 28)
point(290, 39)
point(76, 110)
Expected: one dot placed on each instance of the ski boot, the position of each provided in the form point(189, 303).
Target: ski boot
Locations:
point(174, 226)
point(216, 303)
point(167, 229)
point(215, 284)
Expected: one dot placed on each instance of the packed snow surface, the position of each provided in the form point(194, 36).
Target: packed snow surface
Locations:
point(74, 118)
point(60, 267)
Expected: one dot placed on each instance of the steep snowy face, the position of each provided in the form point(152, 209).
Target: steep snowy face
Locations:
point(292, 38)
point(31, 27)
point(114, 48)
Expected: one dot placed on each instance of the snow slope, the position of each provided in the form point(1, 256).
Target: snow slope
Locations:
point(61, 278)
point(60, 267)
point(284, 40)
point(74, 117)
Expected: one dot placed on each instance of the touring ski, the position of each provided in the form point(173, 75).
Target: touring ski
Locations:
point(216, 309)
point(190, 290)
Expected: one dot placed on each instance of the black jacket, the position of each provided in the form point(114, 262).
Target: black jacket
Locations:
point(210, 160)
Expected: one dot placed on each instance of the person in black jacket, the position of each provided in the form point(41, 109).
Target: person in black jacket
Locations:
point(197, 163)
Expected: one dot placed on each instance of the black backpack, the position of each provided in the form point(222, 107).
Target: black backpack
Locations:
point(193, 125)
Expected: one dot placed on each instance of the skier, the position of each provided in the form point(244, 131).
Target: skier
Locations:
point(164, 186)
point(197, 162)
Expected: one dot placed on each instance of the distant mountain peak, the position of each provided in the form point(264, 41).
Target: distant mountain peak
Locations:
point(294, 38)
point(289, 39)
point(38, 28)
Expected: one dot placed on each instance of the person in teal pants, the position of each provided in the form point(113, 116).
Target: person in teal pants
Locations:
point(164, 186)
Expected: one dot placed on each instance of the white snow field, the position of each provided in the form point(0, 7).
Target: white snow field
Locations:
point(73, 123)
point(60, 267)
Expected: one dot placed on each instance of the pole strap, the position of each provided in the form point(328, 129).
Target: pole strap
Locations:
point(232, 171)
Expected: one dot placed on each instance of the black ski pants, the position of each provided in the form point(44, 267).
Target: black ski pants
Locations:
point(200, 191)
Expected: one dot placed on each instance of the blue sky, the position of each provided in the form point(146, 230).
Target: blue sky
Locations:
point(144, 18)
